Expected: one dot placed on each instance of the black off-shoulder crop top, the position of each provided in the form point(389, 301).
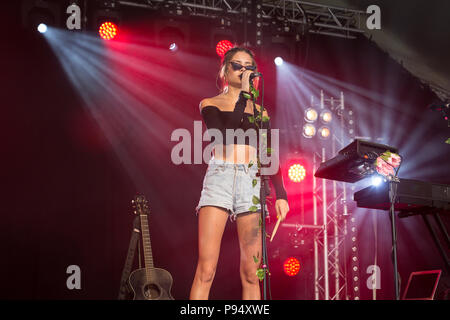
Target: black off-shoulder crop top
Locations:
point(215, 118)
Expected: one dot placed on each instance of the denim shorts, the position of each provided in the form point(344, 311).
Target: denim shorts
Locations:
point(229, 185)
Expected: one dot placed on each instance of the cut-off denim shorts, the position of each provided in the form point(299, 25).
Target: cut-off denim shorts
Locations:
point(229, 185)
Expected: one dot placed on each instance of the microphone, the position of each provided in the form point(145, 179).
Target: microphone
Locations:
point(252, 75)
point(255, 75)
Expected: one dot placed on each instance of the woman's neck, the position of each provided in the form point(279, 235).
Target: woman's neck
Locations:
point(232, 93)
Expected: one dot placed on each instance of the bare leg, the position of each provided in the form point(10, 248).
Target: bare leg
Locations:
point(211, 224)
point(249, 234)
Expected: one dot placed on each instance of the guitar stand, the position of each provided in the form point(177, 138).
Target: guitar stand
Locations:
point(124, 289)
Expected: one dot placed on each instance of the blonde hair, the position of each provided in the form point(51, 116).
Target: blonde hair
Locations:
point(223, 85)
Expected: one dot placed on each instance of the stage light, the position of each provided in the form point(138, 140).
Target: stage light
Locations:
point(173, 47)
point(296, 172)
point(42, 28)
point(376, 181)
point(107, 17)
point(291, 266)
point(326, 116)
point(40, 15)
point(311, 115)
point(278, 61)
point(108, 30)
point(324, 132)
point(309, 130)
point(222, 47)
point(171, 37)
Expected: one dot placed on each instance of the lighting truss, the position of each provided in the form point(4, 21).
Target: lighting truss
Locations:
point(317, 18)
point(312, 17)
point(333, 280)
point(442, 93)
point(206, 8)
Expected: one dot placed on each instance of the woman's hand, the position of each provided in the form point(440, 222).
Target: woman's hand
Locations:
point(245, 84)
point(282, 208)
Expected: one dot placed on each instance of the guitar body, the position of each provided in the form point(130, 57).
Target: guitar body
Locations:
point(157, 289)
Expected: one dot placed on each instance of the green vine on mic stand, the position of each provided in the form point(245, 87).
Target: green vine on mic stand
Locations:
point(255, 200)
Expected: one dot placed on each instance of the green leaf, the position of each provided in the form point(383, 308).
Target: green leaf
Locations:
point(265, 118)
point(255, 259)
point(251, 119)
point(269, 151)
point(254, 182)
point(254, 92)
point(250, 164)
point(255, 200)
point(448, 141)
point(260, 274)
point(386, 155)
point(253, 209)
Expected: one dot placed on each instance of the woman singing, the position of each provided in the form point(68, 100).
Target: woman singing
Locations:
point(227, 186)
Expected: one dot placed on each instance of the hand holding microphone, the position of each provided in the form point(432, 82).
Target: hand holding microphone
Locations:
point(245, 83)
point(247, 76)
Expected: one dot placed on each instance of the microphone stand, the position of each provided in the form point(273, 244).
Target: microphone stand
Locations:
point(393, 184)
point(263, 192)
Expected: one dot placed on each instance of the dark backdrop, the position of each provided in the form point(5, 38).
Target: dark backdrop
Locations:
point(66, 197)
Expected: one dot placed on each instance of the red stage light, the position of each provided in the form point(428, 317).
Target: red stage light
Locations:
point(296, 172)
point(108, 30)
point(291, 266)
point(222, 47)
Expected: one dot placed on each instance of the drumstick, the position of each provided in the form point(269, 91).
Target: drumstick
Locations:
point(275, 229)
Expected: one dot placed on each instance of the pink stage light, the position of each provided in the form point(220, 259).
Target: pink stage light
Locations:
point(296, 172)
point(108, 30)
point(291, 266)
point(222, 47)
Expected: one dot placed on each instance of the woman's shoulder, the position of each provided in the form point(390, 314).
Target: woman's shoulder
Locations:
point(219, 100)
point(211, 102)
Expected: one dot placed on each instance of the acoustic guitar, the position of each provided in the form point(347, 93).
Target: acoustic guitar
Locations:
point(148, 283)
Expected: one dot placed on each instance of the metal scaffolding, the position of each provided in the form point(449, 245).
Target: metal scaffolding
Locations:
point(336, 261)
point(333, 280)
point(292, 14)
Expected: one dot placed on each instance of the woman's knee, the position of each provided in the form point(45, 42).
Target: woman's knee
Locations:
point(248, 274)
point(206, 271)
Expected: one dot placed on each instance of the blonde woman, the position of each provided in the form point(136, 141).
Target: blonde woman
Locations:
point(227, 187)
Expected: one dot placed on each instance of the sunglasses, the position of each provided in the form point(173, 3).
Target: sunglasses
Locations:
point(237, 66)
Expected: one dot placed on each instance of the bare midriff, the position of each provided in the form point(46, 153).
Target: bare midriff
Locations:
point(236, 153)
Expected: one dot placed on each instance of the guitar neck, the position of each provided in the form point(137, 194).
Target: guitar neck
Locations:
point(148, 256)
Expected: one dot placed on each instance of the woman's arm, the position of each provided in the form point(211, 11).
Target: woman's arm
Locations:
point(277, 179)
point(212, 118)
